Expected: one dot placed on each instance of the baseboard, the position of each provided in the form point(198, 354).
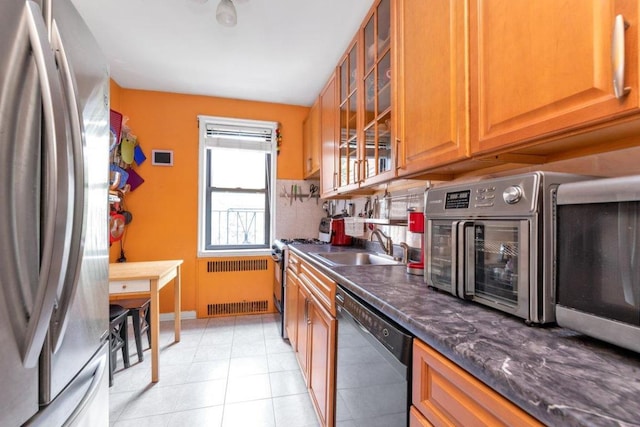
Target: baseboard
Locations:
point(184, 315)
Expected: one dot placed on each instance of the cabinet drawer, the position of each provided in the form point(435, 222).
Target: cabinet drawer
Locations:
point(446, 394)
point(129, 286)
point(323, 288)
point(293, 263)
point(416, 419)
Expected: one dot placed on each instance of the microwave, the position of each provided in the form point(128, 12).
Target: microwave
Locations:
point(598, 259)
point(491, 242)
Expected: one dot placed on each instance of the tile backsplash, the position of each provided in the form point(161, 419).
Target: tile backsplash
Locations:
point(297, 218)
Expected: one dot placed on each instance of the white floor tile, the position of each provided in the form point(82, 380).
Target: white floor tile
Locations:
point(227, 371)
point(247, 349)
point(211, 370)
point(252, 365)
point(283, 362)
point(252, 387)
point(200, 394)
point(209, 417)
point(286, 383)
point(256, 413)
point(294, 411)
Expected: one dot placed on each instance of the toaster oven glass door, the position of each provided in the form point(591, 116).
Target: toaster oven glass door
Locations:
point(441, 262)
point(496, 264)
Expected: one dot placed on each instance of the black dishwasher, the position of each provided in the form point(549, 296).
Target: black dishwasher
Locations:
point(373, 368)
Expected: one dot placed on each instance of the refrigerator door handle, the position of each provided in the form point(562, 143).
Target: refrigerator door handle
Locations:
point(53, 253)
point(76, 239)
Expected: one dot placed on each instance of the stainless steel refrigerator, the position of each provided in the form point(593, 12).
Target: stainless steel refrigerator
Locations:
point(54, 139)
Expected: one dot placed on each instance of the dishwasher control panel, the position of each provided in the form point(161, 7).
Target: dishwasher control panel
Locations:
point(391, 336)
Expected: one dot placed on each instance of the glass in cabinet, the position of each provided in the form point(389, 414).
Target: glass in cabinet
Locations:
point(378, 140)
point(348, 148)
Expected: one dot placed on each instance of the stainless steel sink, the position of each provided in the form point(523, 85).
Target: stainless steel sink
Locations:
point(354, 258)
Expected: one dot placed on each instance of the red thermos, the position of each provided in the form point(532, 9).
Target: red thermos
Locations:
point(338, 235)
point(416, 225)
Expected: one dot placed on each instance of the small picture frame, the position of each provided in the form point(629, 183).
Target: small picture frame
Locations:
point(162, 157)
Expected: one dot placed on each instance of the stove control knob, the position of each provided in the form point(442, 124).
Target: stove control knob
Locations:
point(512, 194)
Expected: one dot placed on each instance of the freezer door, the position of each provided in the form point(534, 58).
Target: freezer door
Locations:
point(85, 401)
point(80, 319)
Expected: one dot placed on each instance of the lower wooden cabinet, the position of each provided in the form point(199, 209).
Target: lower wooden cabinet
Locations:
point(416, 419)
point(302, 352)
point(443, 394)
point(312, 329)
point(322, 335)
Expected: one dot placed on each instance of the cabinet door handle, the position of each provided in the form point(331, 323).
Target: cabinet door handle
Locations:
point(355, 176)
point(335, 180)
point(397, 155)
point(618, 57)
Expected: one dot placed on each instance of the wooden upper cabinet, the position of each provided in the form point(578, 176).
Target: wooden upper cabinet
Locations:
point(348, 173)
point(542, 68)
point(328, 137)
point(431, 81)
point(311, 142)
point(377, 162)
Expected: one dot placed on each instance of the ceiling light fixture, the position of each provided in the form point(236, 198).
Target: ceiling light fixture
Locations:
point(226, 13)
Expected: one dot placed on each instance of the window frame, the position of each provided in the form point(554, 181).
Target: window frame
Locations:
point(205, 191)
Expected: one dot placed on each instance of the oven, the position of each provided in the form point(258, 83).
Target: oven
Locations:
point(598, 259)
point(373, 366)
point(491, 242)
point(280, 255)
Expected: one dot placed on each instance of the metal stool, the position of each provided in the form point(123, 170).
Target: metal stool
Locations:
point(117, 338)
point(138, 309)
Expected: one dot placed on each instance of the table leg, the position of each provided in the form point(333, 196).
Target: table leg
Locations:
point(155, 331)
point(177, 304)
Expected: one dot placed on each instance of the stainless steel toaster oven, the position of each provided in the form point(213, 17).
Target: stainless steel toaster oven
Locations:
point(491, 242)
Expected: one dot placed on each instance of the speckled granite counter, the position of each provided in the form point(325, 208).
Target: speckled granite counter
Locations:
point(560, 377)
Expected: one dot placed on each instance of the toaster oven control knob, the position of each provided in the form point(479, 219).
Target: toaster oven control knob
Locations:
point(512, 194)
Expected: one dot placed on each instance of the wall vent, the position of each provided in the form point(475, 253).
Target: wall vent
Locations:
point(237, 265)
point(244, 307)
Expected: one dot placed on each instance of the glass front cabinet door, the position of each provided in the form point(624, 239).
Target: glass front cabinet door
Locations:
point(378, 158)
point(348, 174)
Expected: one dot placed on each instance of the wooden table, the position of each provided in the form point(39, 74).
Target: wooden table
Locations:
point(127, 279)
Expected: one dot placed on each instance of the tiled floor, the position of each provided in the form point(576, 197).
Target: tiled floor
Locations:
point(229, 372)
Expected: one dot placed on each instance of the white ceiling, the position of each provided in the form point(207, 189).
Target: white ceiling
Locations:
point(280, 51)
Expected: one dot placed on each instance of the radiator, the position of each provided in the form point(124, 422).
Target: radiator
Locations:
point(236, 286)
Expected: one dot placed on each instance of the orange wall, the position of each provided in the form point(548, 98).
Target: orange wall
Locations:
point(164, 207)
point(114, 95)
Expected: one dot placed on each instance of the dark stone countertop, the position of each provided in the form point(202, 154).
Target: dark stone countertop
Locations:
point(559, 376)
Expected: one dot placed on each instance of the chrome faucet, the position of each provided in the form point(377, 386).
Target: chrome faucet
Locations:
point(405, 252)
point(387, 244)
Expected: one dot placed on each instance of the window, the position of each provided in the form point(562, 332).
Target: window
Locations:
point(236, 197)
